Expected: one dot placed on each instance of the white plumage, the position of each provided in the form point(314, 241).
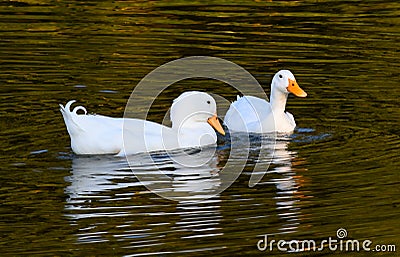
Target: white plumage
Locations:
point(192, 113)
point(255, 115)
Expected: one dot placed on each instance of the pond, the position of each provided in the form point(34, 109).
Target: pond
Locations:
point(338, 172)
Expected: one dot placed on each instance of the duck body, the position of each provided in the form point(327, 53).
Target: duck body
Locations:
point(255, 115)
point(98, 134)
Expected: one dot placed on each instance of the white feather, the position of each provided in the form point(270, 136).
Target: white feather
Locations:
point(98, 134)
point(255, 115)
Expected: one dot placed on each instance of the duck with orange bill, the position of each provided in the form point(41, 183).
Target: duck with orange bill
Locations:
point(193, 116)
point(255, 115)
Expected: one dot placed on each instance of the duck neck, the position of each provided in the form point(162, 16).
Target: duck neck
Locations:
point(278, 101)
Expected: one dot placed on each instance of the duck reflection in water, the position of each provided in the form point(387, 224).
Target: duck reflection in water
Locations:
point(269, 162)
point(289, 186)
point(183, 173)
point(103, 187)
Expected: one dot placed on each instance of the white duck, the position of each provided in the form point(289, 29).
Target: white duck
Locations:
point(192, 113)
point(255, 115)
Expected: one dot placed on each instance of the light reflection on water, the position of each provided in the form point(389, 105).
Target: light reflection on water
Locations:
point(97, 179)
point(96, 182)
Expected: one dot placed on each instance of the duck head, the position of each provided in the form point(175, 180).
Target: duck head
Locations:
point(195, 107)
point(285, 82)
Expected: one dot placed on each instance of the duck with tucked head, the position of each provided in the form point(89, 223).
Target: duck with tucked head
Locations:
point(193, 116)
point(255, 115)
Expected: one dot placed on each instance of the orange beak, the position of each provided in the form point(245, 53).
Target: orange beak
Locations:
point(214, 122)
point(295, 89)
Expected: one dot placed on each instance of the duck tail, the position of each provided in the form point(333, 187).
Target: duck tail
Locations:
point(70, 116)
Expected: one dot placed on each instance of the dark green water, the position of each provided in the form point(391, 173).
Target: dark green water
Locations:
point(339, 170)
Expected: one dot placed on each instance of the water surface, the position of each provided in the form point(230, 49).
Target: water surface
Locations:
point(338, 170)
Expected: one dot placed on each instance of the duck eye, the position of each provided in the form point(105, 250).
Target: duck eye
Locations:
point(208, 102)
point(280, 76)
